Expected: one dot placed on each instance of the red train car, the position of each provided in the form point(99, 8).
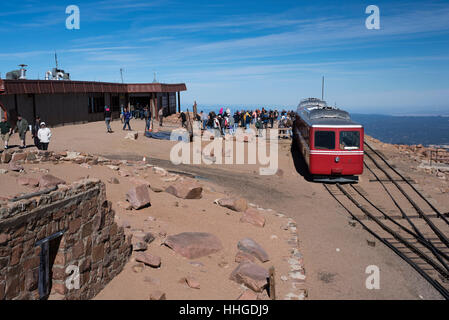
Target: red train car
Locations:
point(330, 142)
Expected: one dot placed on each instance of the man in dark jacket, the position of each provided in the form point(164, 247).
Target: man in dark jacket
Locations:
point(5, 131)
point(107, 118)
point(34, 131)
point(127, 117)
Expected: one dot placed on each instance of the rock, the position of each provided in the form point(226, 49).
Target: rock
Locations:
point(15, 166)
point(160, 171)
point(69, 155)
point(194, 245)
point(85, 166)
point(191, 282)
point(244, 257)
point(3, 171)
point(248, 295)
point(123, 173)
point(113, 180)
point(156, 189)
point(25, 181)
point(124, 205)
point(19, 156)
point(148, 259)
point(146, 237)
point(253, 217)
point(139, 181)
point(140, 246)
point(185, 189)
point(132, 135)
point(252, 275)
point(6, 157)
point(280, 172)
point(115, 168)
point(236, 204)
point(157, 295)
point(138, 197)
point(253, 248)
point(48, 180)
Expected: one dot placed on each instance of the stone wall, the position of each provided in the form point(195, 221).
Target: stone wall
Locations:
point(91, 241)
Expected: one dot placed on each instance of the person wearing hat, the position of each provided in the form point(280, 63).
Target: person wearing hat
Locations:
point(5, 131)
point(44, 135)
point(107, 118)
point(34, 130)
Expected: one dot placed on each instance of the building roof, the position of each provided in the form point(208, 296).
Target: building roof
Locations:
point(64, 86)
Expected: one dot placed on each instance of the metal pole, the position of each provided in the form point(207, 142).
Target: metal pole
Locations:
point(322, 89)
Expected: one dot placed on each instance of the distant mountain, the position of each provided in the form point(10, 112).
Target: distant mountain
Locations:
point(425, 130)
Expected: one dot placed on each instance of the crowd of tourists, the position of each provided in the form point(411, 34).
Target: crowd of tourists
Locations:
point(40, 133)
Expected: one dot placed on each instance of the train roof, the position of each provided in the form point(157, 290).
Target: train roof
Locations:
point(316, 113)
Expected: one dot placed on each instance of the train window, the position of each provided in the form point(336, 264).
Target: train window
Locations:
point(349, 140)
point(325, 140)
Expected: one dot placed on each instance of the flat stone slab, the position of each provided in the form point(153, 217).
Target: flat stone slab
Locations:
point(251, 275)
point(194, 245)
point(252, 216)
point(251, 247)
point(148, 259)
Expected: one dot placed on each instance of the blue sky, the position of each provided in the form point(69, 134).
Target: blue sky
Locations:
point(254, 53)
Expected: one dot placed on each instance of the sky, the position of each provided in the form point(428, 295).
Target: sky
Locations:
point(244, 53)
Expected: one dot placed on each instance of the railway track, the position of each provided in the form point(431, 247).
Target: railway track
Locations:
point(401, 217)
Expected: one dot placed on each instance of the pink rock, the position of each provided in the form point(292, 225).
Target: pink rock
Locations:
point(253, 217)
point(251, 247)
point(124, 205)
point(185, 189)
point(192, 282)
point(48, 180)
point(138, 197)
point(252, 275)
point(19, 156)
point(148, 259)
point(15, 166)
point(25, 181)
point(194, 245)
point(236, 204)
point(5, 157)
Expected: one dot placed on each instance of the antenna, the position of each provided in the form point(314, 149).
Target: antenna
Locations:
point(322, 89)
point(121, 74)
point(154, 79)
point(56, 60)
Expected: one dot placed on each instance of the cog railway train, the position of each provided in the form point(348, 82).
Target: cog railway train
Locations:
point(330, 142)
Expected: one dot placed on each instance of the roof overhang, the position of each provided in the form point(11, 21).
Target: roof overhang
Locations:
point(64, 86)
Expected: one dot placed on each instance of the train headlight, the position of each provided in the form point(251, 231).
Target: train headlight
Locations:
point(337, 159)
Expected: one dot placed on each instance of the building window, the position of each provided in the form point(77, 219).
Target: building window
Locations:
point(96, 104)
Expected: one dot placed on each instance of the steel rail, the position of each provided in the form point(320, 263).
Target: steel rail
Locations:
point(398, 237)
point(440, 235)
point(443, 291)
point(408, 182)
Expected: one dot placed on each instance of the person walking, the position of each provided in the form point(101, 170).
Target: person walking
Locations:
point(127, 118)
point(148, 115)
point(44, 135)
point(122, 113)
point(107, 118)
point(161, 116)
point(183, 117)
point(34, 131)
point(5, 132)
point(22, 128)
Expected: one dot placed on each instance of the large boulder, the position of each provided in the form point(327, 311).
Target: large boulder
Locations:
point(138, 197)
point(251, 247)
point(47, 181)
point(139, 181)
point(185, 189)
point(15, 166)
point(19, 156)
point(194, 245)
point(251, 275)
point(236, 204)
point(253, 217)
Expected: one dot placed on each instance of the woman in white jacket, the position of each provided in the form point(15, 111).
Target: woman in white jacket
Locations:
point(44, 135)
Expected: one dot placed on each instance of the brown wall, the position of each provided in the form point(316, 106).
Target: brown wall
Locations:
point(92, 241)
